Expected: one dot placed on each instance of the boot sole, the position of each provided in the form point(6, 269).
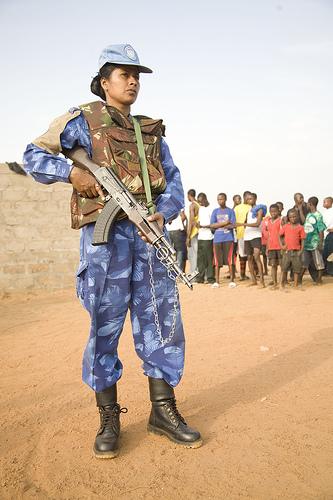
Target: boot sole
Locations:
point(158, 432)
point(105, 454)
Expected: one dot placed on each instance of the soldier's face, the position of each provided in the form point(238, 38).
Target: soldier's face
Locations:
point(122, 86)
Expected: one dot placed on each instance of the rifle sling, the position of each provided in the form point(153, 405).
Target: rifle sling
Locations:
point(143, 164)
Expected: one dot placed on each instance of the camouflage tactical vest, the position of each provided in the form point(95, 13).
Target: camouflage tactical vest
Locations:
point(114, 145)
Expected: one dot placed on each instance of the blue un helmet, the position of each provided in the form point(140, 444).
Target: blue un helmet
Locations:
point(121, 54)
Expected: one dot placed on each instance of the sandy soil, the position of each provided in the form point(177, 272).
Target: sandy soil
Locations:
point(258, 384)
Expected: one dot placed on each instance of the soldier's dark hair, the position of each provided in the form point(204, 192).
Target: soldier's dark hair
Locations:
point(105, 72)
point(274, 205)
point(191, 192)
point(313, 201)
point(246, 193)
point(222, 194)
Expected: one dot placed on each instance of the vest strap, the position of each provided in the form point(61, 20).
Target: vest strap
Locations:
point(143, 164)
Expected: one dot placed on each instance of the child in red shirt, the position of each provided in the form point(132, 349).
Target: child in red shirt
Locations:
point(271, 231)
point(292, 248)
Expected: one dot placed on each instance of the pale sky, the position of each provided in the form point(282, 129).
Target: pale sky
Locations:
point(244, 87)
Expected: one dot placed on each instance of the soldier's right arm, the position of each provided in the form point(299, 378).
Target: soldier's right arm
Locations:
point(41, 158)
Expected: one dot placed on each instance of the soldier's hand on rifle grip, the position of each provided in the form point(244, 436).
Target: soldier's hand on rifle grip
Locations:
point(158, 218)
point(85, 183)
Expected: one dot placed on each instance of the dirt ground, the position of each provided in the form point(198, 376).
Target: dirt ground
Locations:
point(258, 385)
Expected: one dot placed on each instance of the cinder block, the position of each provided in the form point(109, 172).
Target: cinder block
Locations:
point(62, 196)
point(13, 258)
point(64, 267)
point(43, 281)
point(38, 195)
point(5, 179)
point(19, 183)
point(13, 269)
point(14, 195)
point(4, 170)
point(64, 244)
point(26, 207)
point(36, 245)
point(23, 282)
point(26, 232)
point(39, 268)
point(63, 186)
point(11, 218)
point(10, 195)
point(45, 255)
point(64, 280)
point(6, 234)
point(12, 244)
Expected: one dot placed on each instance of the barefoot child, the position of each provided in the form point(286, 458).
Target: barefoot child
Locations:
point(292, 248)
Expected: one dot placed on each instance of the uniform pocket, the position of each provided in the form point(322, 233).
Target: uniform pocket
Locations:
point(81, 279)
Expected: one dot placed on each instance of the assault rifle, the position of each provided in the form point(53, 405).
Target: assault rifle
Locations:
point(119, 198)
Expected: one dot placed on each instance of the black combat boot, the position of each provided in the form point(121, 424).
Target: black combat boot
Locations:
point(165, 418)
point(106, 442)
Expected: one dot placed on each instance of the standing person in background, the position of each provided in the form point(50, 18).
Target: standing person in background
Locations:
point(300, 207)
point(292, 246)
point(280, 205)
point(222, 222)
point(264, 238)
point(177, 230)
point(271, 233)
point(302, 211)
point(237, 199)
point(205, 242)
point(314, 229)
point(192, 230)
point(252, 237)
point(241, 212)
point(328, 244)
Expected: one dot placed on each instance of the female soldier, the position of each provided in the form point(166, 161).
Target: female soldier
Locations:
point(125, 272)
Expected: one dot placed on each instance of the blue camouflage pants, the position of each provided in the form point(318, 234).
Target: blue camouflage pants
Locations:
point(116, 277)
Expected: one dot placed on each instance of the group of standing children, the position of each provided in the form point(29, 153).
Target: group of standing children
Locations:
point(294, 242)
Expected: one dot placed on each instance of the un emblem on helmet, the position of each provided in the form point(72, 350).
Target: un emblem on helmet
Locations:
point(130, 52)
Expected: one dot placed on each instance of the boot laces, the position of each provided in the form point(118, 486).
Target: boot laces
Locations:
point(173, 411)
point(110, 416)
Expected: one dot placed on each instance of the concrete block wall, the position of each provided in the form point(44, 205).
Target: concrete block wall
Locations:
point(38, 248)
